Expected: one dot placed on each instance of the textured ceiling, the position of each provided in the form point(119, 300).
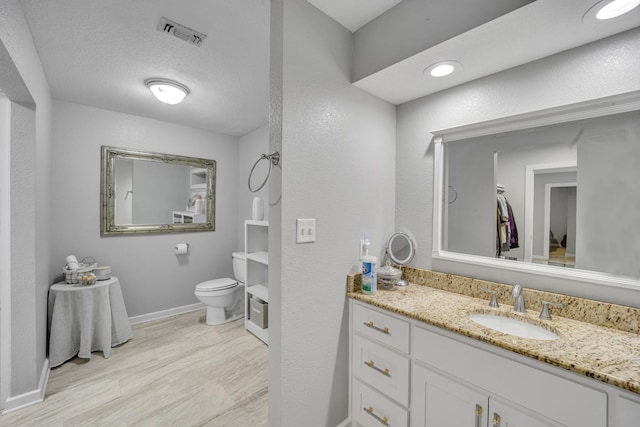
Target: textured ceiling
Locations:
point(99, 53)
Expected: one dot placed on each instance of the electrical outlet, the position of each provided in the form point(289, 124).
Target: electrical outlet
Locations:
point(305, 230)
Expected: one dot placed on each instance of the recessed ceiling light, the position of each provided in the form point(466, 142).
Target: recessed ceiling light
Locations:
point(167, 91)
point(442, 68)
point(608, 9)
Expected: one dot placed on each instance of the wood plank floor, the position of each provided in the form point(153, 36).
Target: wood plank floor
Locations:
point(173, 372)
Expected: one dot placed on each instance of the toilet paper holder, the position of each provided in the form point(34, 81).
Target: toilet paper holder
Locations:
point(182, 248)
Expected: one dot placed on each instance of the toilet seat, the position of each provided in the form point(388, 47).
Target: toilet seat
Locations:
point(216, 285)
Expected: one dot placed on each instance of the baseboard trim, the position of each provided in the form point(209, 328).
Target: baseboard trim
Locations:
point(31, 398)
point(157, 315)
point(345, 423)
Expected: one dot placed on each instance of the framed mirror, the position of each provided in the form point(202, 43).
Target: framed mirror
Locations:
point(552, 192)
point(146, 192)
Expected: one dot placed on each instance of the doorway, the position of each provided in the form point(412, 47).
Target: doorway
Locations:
point(560, 224)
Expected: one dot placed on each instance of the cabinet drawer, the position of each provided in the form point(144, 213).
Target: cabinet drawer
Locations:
point(371, 409)
point(382, 327)
point(383, 369)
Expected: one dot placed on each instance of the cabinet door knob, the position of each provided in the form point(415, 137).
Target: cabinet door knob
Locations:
point(496, 419)
point(478, 414)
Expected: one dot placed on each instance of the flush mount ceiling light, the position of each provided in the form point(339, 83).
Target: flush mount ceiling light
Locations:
point(608, 9)
point(443, 68)
point(167, 91)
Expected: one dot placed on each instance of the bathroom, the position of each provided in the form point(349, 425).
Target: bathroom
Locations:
point(309, 340)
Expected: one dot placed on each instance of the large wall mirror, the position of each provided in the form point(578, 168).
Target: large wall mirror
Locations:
point(145, 192)
point(555, 192)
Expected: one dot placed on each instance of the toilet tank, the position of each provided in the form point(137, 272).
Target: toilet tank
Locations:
point(239, 261)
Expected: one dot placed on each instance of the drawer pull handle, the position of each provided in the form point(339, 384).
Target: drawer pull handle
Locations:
point(372, 365)
point(383, 420)
point(496, 419)
point(384, 330)
point(478, 414)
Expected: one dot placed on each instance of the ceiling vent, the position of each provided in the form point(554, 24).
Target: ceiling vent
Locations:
point(180, 31)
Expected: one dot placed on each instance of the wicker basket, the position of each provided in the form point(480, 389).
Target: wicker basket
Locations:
point(87, 266)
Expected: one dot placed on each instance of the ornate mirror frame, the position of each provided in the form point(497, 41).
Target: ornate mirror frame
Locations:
point(108, 227)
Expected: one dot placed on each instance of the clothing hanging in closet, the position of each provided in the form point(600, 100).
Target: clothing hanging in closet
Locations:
point(507, 231)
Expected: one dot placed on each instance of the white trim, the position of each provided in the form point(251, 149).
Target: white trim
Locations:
point(5, 249)
point(620, 103)
point(30, 398)
point(345, 423)
point(438, 193)
point(157, 315)
point(541, 270)
point(614, 104)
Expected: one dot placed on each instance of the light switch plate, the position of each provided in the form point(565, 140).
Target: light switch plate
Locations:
point(305, 230)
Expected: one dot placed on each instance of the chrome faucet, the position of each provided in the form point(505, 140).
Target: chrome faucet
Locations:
point(519, 305)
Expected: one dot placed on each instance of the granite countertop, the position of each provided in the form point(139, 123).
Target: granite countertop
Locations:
point(605, 354)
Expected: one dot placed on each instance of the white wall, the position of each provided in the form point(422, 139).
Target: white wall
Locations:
point(151, 275)
point(24, 82)
point(380, 43)
point(576, 75)
point(338, 145)
point(148, 179)
point(250, 147)
point(612, 244)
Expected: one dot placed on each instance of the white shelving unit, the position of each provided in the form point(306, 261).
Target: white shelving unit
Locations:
point(256, 246)
point(198, 178)
point(180, 217)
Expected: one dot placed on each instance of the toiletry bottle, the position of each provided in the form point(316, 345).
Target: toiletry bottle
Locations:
point(364, 246)
point(369, 274)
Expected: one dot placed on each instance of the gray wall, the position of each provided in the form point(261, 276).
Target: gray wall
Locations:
point(471, 218)
point(337, 146)
point(153, 278)
point(576, 75)
point(151, 179)
point(382, 43)
point(250, 147)
point(612, 244)
point(23, 81)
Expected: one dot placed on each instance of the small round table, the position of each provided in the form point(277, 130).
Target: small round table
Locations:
point(83, 319)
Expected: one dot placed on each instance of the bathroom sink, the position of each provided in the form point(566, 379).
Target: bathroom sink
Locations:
point(516, 327)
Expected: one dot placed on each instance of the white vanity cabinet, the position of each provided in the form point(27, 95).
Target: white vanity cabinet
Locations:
point(517, 394)
point(440, 400)
point(256, 247)
point(380, 367)
point(406, 372)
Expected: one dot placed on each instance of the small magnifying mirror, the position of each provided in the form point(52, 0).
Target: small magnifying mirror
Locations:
point(401, 250)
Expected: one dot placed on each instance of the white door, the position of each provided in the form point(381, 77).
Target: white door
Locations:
point(507, 414)
point(441, 401)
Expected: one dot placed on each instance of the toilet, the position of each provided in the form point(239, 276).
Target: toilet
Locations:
point(224, 298)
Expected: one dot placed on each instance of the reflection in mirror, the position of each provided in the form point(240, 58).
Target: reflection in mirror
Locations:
point(146, 192)
point(563, 195)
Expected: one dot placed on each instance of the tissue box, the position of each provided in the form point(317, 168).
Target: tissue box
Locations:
point(259, 312)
